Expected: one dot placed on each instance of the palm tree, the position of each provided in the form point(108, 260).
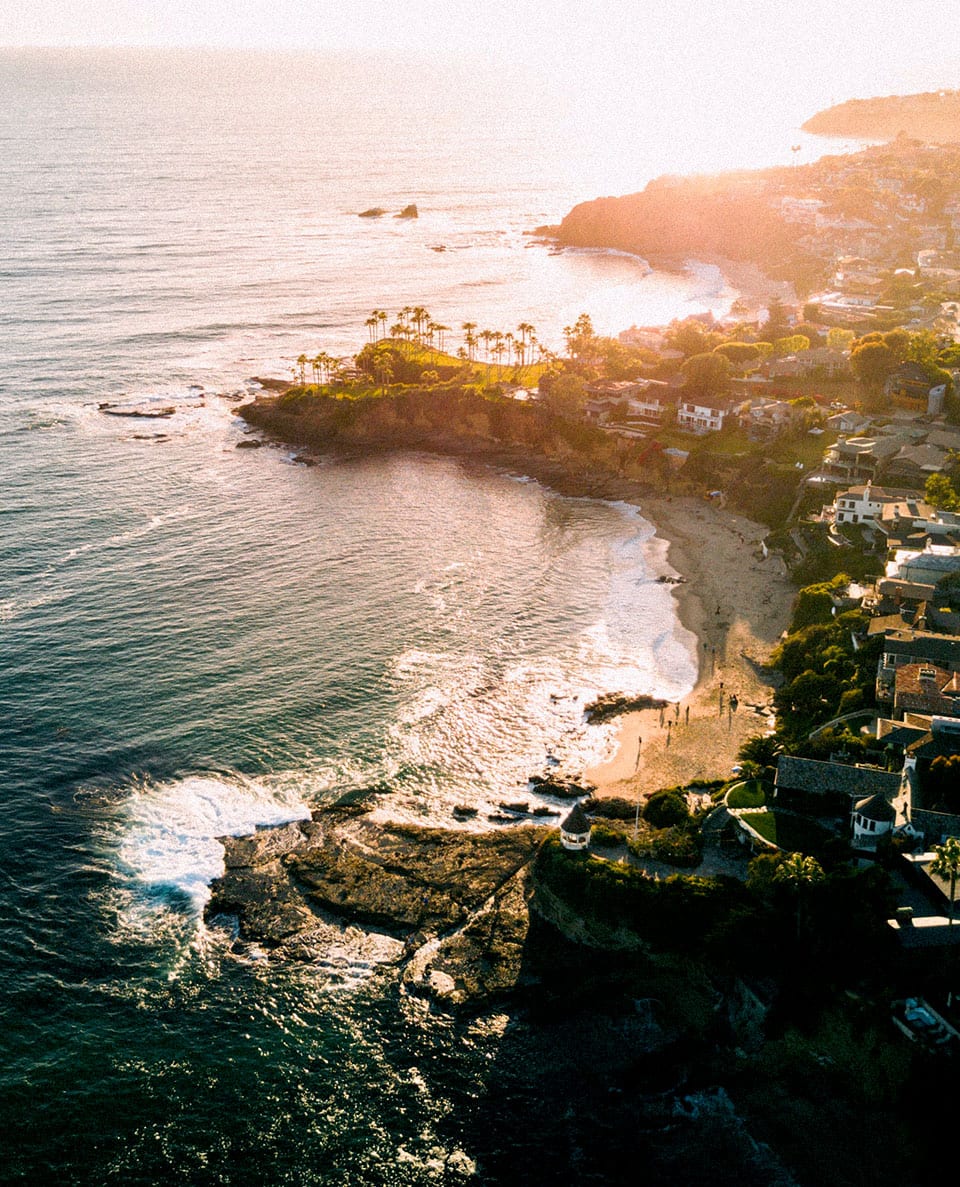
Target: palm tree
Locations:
point(440, 331)
point(469, 337)
point(382, 371)
point(946, 864)
point(315, 368)
point(799, 871)
point(371, 323)
point(302, 368)
point(526, 330)
point(420, 319)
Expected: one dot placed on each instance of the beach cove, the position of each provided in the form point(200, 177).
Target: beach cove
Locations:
point(730, 595)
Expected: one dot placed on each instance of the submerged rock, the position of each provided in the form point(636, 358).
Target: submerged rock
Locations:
point(408, 212)
point(373, 212)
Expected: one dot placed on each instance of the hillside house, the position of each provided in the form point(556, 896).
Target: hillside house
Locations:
point(762, 419)
point(912, 465)
point(926, 566)
point(925, 688)
point(864, 504)
point(912, 646)
point(829, 788)
point(858, 459)
point(702, 416)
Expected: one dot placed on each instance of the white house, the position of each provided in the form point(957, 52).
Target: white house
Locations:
point(865, 504)
point(873, 817)
point(701, 418)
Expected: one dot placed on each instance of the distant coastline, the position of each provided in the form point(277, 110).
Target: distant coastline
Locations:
point(933, 116)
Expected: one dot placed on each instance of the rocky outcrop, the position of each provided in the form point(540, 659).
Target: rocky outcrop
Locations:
point(679, 217)
point(408, 212)
point(615, 704)
point(447, 905)
point(933, 117)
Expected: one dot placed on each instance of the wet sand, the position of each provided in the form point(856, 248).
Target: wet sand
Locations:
point(737, 604)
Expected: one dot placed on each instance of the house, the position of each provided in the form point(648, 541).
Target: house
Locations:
point(935, 264)
point(926, 566)
point(864, 504)
point(575, 829)
point(942, 740)
point(925, 688)
point(700, 416)
point(801, 210)
point(857, 459)
point(648, 337)
point(819, 361)
point(764, 419)
point(912, 523)
point(848, 422)
point(912, 465)
point(911, 646)
point(829, 788)
point(909, 382)
point(873, 817)
point(653, 404)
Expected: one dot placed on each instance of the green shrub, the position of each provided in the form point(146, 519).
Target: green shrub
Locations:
point(666, 808)
point(604, 835)
point(677, 847)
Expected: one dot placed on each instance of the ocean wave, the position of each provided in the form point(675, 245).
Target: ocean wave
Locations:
point(168, 831)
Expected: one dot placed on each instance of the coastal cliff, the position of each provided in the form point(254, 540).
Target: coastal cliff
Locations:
point(571, 457)
point(678, 217)
point(933, 116)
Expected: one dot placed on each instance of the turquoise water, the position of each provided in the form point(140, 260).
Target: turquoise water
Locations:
point(196, 640)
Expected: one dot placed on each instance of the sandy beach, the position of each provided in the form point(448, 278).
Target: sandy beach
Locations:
point(737, 604)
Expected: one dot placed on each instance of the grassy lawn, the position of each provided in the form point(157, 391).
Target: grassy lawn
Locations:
point(795, 834)
point(747, 794)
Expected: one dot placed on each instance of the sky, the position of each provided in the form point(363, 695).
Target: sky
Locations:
point(883, 45)
point(608, 63)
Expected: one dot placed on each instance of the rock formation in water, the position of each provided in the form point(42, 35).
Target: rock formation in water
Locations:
point(450, 905)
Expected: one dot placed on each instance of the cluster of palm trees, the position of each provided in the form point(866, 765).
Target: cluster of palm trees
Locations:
point(322, 365)
point(414, 324)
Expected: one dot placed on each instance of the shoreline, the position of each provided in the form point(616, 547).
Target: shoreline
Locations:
point(750, 599)
point(733, 601)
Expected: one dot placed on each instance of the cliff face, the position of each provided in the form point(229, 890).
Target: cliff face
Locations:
point(680, 217)
point(571, 457)
point(933, 117)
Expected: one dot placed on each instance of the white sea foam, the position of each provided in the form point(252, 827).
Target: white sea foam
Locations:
point(168, 843)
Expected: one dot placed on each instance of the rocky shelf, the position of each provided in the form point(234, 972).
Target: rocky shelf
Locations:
point(447, 907)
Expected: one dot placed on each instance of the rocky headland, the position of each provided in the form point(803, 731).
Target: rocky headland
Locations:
point(448, 908)
point(933, 116)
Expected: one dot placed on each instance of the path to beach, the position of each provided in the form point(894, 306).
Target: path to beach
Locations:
point(737, 604)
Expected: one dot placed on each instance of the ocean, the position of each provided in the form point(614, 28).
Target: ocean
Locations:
point(196, 640)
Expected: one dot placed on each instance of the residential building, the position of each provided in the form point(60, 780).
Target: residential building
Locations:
point(829, 788)
point(864, 504)
point(925, 688)
point(702, 415)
